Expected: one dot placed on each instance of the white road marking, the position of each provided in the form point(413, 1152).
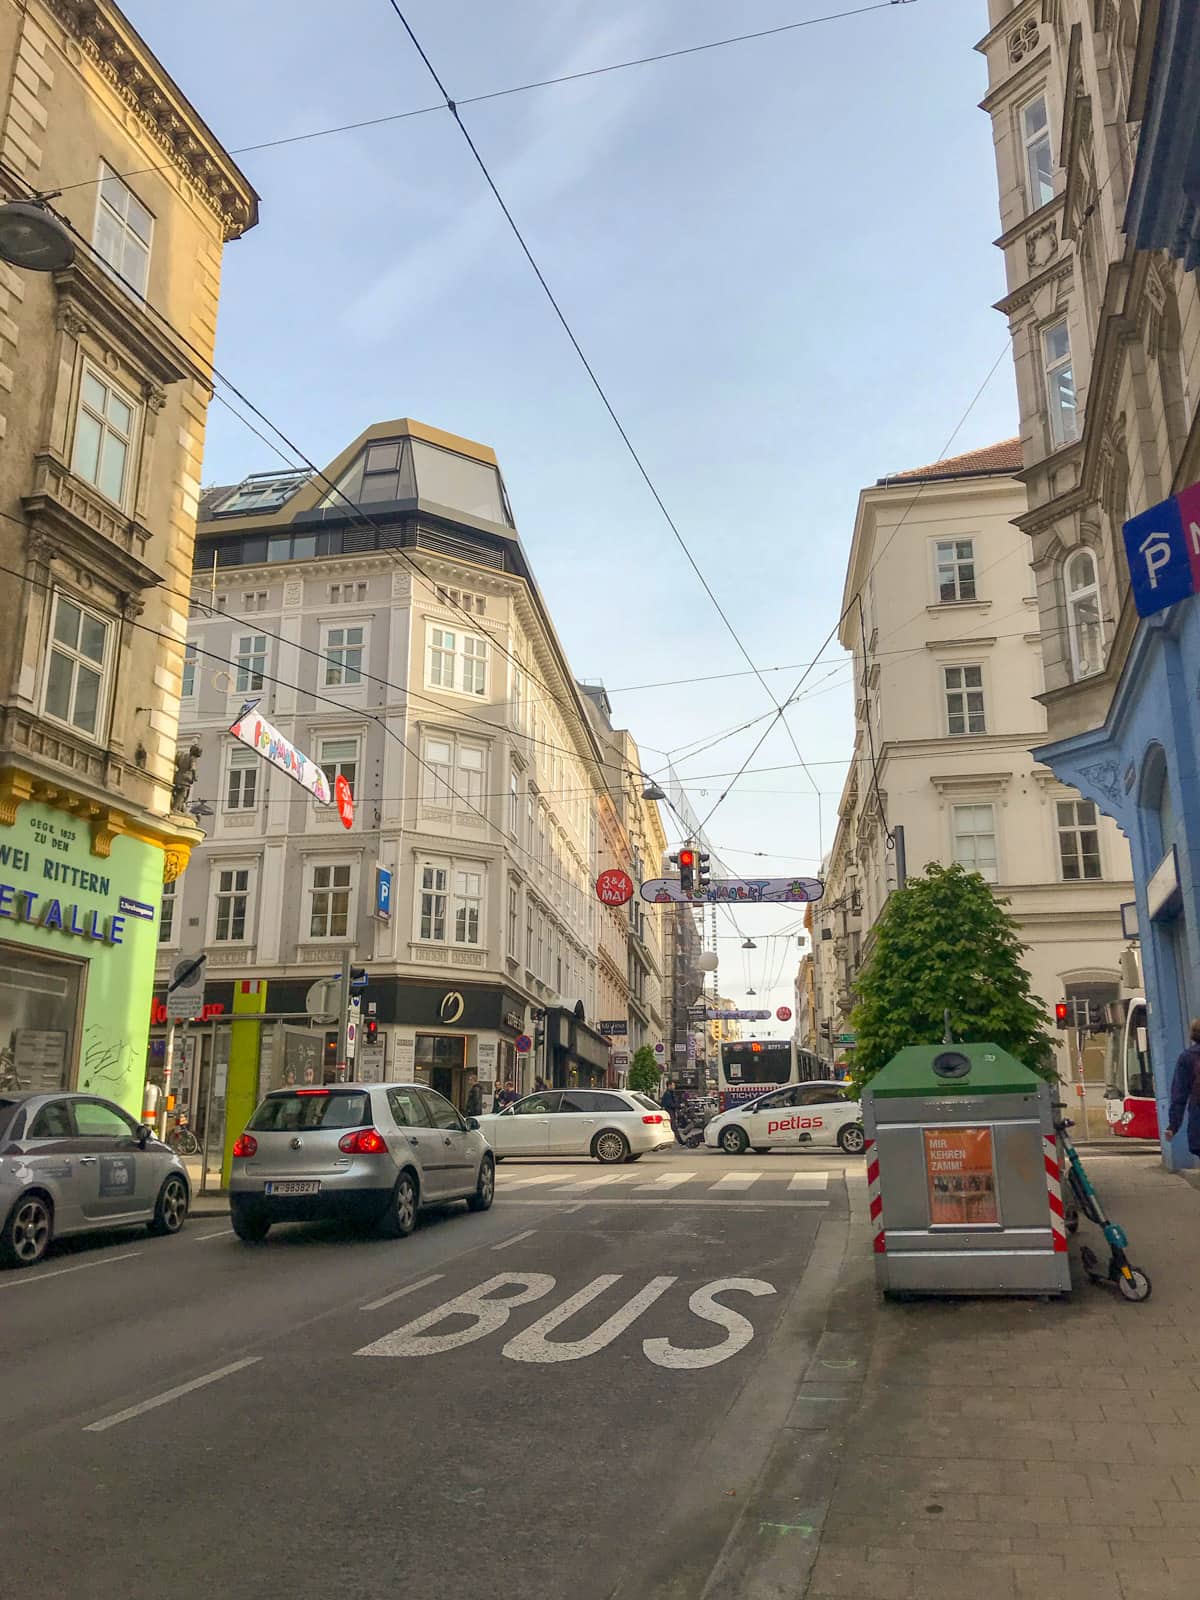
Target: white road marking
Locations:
point(205, 1237)
point(597, 1183)
point(523, 1183)
point(809, 1180)
point(396, 1294)
point(735, 1180)
point(533, 1345)
point(516, 1239)
point(170, 1394)
point(704, 1304)
point(667, 1180)
point(487, 1313)
point(105, 1261)
point(636, 1199)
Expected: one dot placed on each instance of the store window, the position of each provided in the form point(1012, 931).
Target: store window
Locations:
point(40, 1000)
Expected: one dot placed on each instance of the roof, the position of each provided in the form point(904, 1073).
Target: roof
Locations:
point(994, 460)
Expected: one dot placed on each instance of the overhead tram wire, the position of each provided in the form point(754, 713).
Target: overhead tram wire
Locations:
point(452, 107)
point(500, 94)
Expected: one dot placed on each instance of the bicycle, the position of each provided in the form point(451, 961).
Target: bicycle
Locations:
point(182, 1140)
point(1133, 1283)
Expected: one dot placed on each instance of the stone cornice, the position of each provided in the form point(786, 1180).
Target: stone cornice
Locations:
point(1058, 269)
point(105, 37)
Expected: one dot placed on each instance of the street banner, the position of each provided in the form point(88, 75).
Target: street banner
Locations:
point(701, 1015)
point(735, 891)
point(270, 744)
point(960, 1171)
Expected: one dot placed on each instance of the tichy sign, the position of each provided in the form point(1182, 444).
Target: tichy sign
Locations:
point(738, 891)
point(1162, 547)
point(270, 744)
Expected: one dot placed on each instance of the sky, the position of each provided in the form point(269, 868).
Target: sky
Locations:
point(777, 256)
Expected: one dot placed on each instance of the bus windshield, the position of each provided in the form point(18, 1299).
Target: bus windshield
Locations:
point(756, 1061)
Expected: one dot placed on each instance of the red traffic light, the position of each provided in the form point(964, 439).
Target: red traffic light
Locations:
point(687, 858)
point(1062, 1013)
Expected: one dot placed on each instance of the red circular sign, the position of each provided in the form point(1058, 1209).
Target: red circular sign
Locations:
point(784, 1013)
point(614, 887)
point(344, 800)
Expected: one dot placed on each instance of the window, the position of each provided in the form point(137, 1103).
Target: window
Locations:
point(441, 1113)
point(296, 1111)
point(233, 901)
point(974, 830)
point(514, 915)
point(518, 696)
point(955, 569)
point(93, 1120)
point(529, 810)
point(255, 600)
point(434, 884)
point(529, 935)
point(1078, 839)
point(964, 699)
point(75, 671)
point(438, 758)
point(262, 491)
point(457, 661)
point(343, 656)
point(539, 1105)
point(514, 803)
point(166, 919)
point(53, 1121)
point(188, 687)
point(1039, 161)
point(468, 900)
point(124, 229)
point(1060, 383)
point(251, 661)
point(241, 791)
point(408, 1108)
point(471, 763)
point(339, 759)
point(103, 436)
point(331, 889)
point(1085, 630)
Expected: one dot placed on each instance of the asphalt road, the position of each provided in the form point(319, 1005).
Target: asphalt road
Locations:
point(564, 1396)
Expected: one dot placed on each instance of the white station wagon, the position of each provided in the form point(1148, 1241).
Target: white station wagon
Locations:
point(608, 1124)
point(802, 1114)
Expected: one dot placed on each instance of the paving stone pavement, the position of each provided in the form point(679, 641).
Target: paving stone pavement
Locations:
point(1018, 1447)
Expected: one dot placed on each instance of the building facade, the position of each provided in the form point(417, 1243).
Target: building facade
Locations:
point(947, 671)
point(1095, 134)
point(104, 390)
point(384, 617)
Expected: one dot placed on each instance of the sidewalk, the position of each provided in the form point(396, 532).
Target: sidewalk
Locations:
point(1015, 1447)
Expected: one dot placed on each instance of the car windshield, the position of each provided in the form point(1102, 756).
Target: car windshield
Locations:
point(297, 1109)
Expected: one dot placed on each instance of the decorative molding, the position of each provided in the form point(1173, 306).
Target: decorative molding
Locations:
point(1041, 246)
point(959, 644)
point(1056, 273)
point(90, 529)
point(1105, 776)
point(1023, 41)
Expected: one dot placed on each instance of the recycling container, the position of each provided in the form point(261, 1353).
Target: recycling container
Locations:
point(963, 1175)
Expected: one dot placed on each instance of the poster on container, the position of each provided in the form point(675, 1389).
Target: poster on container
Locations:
point(270, 744)
point(960, 1170)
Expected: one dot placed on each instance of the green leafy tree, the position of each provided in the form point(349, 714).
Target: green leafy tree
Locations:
point(644, 1071)
point(945, 942)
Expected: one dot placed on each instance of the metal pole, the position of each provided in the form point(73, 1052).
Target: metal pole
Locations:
point(168, 1063)
point(208, 1100)
point(343, 1015)
point(901, 856)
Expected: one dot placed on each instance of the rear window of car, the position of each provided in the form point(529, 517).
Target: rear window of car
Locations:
point(297, 1109)
point(645, 1100)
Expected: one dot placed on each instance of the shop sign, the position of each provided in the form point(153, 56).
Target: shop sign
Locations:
point(452, 1007)
point(609, 1029)
point(513, 1021)
point(960, 1171)
point(1163, 896)
point(270, 744)
point(52, 916)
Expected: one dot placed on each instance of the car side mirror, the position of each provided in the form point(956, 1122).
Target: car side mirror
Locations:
point(144, 1135)
point(472, 1124)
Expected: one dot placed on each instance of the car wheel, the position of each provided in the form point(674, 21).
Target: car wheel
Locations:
point(610, 1146)
point(400, 1218)
point(250, 1225)
point(634, 1155)
point(851, 1138)
point(485, 1189)
point(734, 1141)
point(171, 1209)
point(28, 1231)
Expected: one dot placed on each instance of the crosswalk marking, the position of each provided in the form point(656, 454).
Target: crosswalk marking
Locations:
point(736, 1180)
point(668, 1180)
point(523, 1183)
point(574, 1184)
point(809, 1180)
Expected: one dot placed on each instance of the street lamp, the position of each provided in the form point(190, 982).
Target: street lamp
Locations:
point(31, 236)
point(749, 944)
point(653, 792)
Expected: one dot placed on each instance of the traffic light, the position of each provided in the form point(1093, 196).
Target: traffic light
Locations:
point(703, 875)
point(687, 870)
point(1062, 1014)
point(370, 1031)
point(826, 1031)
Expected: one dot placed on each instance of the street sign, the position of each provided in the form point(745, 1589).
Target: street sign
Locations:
point(271, 745)
point(784, 1014)
point(1162, 547)
point(614, 887)
point(737, 891)
point(619, 1060)
point(523, 1045)
point(185, 992)
point(845, 1038)
point(321, 1001)
point(383, 893)
point(344, 800)
point(660, 1050)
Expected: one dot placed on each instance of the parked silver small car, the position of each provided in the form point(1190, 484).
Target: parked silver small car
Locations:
point(75, 1163)
point(372, 1153)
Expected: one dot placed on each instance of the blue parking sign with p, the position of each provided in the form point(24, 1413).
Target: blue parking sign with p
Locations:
point(1159, 550)
point(383, 893)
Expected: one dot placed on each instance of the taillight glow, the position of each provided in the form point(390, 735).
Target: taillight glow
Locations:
point(652, 1119)
point(363, 1142)
point(245, 1145)
point(312, 1091)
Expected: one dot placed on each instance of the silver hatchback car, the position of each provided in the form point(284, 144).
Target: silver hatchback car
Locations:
point(371, 1153)
point(75, 1163)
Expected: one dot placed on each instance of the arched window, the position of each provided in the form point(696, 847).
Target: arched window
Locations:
point(1085, 630)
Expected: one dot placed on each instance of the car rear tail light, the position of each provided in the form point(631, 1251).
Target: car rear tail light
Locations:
point(312, 1091)
point(651, 1119)
point(245, 1145)
point(363, 1142)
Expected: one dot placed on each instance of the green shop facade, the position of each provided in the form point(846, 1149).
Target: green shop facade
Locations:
point(79, 909)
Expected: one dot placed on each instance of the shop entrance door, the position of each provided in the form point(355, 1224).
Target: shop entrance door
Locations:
point(441, 1061)
point(41, 998)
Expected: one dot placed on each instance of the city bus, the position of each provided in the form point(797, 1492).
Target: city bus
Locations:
point(750, 1067)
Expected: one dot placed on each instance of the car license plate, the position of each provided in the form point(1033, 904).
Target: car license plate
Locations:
point(294, 1187)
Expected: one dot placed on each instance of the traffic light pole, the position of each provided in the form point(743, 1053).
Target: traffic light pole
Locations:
point(343, 1016)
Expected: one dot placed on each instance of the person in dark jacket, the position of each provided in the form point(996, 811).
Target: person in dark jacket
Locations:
point(670, 1104)
point(1185, 1092)
point(475, 1099)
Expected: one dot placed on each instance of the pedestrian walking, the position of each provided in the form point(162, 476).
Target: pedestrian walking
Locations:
point(1185, 1091)
point(475, 1099)
point(670, 1104)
